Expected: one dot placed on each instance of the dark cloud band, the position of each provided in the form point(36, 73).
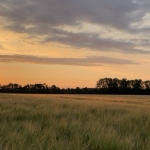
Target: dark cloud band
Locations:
point(89, 61)
point(44, 17)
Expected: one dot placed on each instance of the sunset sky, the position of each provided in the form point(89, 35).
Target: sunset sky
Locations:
point(73, 43)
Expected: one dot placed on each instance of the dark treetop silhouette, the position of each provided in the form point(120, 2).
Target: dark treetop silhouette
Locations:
point(103, 86)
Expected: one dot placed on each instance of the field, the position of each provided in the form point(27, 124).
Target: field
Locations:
point(74, 122)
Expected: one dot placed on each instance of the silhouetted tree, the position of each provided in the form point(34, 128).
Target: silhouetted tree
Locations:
point(103, 86)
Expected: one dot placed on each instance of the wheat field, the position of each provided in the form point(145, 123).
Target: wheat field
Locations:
point(74, 122)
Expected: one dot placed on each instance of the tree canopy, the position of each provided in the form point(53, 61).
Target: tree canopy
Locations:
point(123, 86)
point(103, 86)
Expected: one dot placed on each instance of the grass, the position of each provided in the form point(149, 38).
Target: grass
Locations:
point(74, 122)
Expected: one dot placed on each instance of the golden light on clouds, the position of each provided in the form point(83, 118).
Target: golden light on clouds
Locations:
point(75, 44)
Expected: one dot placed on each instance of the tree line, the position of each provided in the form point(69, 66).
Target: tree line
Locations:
point(123, 86)
point(103, 86)
point(44, 89)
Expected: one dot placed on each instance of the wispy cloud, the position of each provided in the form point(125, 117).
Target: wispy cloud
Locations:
point(44, 17)
point(94, 41)
point(88, 61)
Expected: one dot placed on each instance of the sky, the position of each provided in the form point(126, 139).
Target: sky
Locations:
point(73, 43)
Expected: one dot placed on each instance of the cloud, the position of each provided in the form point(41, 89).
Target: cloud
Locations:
point(94, 41)
point(44, 17)
point(117, 13)
point(88, 61)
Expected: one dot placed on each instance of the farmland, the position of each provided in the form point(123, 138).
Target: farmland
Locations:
point(74, 122)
